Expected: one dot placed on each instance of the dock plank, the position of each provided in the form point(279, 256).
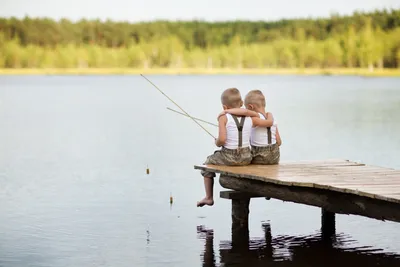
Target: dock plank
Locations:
point(335, 175)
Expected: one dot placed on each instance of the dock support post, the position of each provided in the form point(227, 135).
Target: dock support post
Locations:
point(240, 222)
point(327, 224)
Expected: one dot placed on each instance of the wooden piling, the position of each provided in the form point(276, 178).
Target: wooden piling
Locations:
point(240, 212)
point(328, 227)
point(240, 222)
point(240, 216)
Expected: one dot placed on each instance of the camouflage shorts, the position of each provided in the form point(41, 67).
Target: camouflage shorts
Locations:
point(267, 155)
point(228, 157)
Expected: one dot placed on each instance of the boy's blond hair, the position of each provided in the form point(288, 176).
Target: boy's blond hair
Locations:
point(255, 97)
point(231, 98)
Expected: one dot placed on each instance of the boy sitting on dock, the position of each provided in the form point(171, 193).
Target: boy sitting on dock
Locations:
point(233, 137)
point(265, 139)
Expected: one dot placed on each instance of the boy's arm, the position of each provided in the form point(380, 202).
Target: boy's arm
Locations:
point(220, 141)
point(278, 137)
point(264, 123)
point(240, 112)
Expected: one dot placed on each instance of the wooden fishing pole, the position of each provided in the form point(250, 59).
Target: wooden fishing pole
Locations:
point(178, 106)
point(213, 124)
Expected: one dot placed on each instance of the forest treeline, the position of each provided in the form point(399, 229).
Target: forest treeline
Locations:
point(361, 40)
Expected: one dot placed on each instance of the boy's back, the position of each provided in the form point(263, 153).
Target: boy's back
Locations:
point(232, 132)
point(265, 141)
point(264, 136)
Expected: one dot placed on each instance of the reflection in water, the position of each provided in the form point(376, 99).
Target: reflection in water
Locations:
point(311, 251)
point(208, 257)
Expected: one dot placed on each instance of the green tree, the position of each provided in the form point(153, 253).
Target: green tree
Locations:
point(366, 46)
point(300, 48)
point(350, 47)
point(398, 58)
point(333, 53)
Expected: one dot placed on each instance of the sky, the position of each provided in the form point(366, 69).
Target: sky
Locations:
point(209, 10)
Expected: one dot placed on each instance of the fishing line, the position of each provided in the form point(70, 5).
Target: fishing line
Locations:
point(213, 124)
point(178, 106)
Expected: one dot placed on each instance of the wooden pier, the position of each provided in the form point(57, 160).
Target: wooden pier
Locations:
point(336, 186)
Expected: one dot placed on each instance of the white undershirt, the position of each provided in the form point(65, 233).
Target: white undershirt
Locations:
point(232, 135)
point(259, 135)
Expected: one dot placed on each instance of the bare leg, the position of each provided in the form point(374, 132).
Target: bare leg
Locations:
point(209, 187)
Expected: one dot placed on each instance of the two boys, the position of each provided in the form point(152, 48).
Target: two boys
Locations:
point(238, 130)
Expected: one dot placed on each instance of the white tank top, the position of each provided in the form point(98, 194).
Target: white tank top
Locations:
point(259, 135)
point(232, 133)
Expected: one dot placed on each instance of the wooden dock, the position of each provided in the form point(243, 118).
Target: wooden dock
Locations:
point(337, 186)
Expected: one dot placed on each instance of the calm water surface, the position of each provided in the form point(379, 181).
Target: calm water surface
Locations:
point(74, 152)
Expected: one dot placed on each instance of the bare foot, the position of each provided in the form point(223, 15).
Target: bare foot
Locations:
point(205, 201)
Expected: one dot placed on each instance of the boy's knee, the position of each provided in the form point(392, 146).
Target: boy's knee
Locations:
point(213, 159)
point(206, 174)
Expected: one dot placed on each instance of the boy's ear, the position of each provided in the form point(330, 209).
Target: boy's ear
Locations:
point(224, 107)
point(241, 103)
point(251, 106)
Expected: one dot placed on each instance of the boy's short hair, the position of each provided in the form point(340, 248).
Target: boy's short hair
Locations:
point(231, 98)
point(255, 97)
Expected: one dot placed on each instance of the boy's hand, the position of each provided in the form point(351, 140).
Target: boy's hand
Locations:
point(217, 142)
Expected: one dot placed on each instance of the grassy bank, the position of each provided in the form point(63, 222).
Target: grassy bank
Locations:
point(173, 71)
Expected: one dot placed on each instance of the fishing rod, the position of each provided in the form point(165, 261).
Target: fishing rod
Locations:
point(213, 124)
point(178, 106)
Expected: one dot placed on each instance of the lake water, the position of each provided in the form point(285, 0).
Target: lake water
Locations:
point(74, 189)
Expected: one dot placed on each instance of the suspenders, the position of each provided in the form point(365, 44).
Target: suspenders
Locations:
point(268, 132)
point(239, 125)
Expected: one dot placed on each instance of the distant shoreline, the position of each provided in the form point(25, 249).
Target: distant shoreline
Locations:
point(177, 71)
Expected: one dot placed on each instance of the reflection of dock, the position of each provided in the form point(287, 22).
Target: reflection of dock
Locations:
point(290, 251)
point(337, 186)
